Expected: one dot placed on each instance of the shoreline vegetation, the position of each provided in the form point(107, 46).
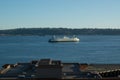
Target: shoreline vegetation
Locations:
point(58, 31)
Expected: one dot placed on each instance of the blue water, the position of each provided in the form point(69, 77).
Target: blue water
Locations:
point(91, 49)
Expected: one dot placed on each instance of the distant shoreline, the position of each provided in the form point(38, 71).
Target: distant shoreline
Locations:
point(57, 31)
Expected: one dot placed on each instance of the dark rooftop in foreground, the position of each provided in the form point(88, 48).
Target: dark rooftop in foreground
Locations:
point(55, 69)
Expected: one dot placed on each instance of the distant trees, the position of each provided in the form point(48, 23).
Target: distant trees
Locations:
point(59, 31)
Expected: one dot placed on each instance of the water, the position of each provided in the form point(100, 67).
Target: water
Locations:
point(91, 49)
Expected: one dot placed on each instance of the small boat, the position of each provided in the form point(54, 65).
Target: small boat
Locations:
point(64, 39)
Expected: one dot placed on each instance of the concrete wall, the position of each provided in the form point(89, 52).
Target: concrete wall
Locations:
point(48, 73)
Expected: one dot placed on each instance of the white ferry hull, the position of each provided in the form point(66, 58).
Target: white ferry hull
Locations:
point(64, 40)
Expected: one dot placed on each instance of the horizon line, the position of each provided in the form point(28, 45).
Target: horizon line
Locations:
point(55, 28)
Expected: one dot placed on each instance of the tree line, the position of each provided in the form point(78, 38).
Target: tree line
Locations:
point(59, 31)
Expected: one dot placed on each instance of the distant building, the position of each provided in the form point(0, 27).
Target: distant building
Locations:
point(46, 68)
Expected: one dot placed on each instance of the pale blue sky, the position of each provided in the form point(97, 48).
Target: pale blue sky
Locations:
point(59, 13)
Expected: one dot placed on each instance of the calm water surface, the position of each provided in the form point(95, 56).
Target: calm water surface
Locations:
point(91, 49)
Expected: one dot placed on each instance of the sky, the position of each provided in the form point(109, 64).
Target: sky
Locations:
point(59, 14)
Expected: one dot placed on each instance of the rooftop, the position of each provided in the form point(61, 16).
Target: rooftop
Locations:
point(47, 68)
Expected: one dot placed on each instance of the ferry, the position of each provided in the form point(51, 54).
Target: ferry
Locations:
point(64, 39)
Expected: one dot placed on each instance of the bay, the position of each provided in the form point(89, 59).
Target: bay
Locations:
point(90, 49)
